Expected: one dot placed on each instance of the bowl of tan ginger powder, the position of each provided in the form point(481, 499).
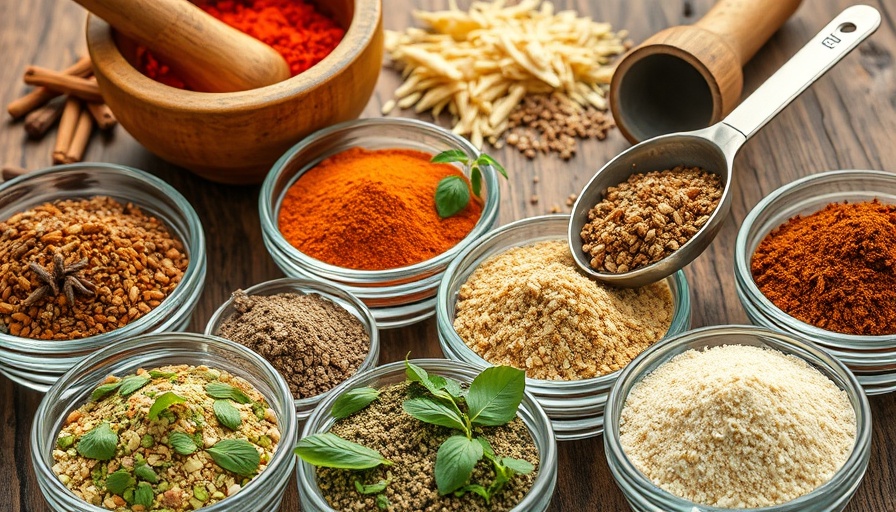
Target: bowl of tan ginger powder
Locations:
point(737, 417)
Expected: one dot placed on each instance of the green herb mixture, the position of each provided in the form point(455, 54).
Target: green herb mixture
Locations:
point(169, 439)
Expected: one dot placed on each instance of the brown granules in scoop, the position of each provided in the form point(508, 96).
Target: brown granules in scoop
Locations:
point(313, 342)
point(530, 307)
point(132, 258)
point(412, 446)
point(648, 217)
point(545, 123)
point(737, 427)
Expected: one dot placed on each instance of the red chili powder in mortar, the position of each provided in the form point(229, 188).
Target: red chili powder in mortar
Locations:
point(295, 28)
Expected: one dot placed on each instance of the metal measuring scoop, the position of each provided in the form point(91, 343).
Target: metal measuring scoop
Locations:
point(713, 148)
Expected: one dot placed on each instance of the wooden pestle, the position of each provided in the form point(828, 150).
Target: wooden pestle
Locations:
point(689, 77)
point(206, 52)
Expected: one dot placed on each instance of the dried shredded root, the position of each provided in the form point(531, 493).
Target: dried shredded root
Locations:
point(479, 64)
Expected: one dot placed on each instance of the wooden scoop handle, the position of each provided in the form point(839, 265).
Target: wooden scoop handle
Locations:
point(747, 24)
point(206, 52)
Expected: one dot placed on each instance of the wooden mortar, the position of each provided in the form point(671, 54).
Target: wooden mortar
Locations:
point(689, 77)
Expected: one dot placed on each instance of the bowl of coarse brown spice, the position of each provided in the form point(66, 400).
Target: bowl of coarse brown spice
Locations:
point(168, 421)
point(499, 456)
point(316, 335)
point(91, 254)
point(817, 258)
point(357, 205)
point(737, 418)
point(516, 297)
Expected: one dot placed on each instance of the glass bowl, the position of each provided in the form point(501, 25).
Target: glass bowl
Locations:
point(332, 293)
point(263, 493)
point(576, 407)
point(536, 500)
point(37, 364)
point(644, 496)
point(871, 358)
point(396, 297)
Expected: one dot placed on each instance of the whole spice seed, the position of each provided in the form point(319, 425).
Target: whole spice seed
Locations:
point(834, 269)
point(128, 262)
point(298, 30)
point(648, 217)
point(554, 123)
point(373, 210)
point(313, 342)
point(529, 307)
point(412, 446)
point(731, 426)
point(157, 440)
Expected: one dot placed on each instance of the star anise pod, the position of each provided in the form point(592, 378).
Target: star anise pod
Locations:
point(66, 277)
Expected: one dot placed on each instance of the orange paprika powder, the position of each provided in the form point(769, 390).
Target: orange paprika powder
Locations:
point(373, 210)
point(296, 28)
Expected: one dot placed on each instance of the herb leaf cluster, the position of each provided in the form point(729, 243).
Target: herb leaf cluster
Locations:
point(452, 192)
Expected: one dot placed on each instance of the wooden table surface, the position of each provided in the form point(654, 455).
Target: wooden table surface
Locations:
point(847, 120)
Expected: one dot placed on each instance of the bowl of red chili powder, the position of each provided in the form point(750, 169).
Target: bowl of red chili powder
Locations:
point(354, 206)
point(817, 258)
point(334, 50)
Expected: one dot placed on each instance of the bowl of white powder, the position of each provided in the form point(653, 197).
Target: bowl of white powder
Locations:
point(737, 417)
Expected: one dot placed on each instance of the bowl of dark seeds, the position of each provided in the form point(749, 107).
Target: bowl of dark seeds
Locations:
point(316, 335)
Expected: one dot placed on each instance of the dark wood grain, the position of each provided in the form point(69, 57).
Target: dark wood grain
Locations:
point(846, 120)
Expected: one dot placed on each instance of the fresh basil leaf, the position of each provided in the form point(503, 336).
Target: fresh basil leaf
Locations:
point(331, 451)
point(451, 155)
point(476, 180)
point(119, 481)
point(182, 443)
point(132, 383)
point(104, 390)
point(486, 159)
point(99, 443)
point(520, 466)
point(486, 448)
point(455, 460)
point(453, 388)
point(164, 401)
point(353, 401)
point(145, 472)
point(382, 501)
point(143, 495)
point(415, 373)
point(428, 410)
point(156, 374)
point(224, 391)
point(371, 488)
point(227, 414)
point(452, 196)
point(236, 455)
point(495, 395)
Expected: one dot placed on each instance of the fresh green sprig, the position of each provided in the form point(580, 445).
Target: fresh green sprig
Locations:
point(452, 194)
point(331, 451)
point(353, 401)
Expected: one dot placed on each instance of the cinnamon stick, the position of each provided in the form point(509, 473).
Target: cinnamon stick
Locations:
point(79, 141)
point(103, 115)
point(82, 88)
point(12, 171)
point(42, 119)
point(41, 95)
point(70, 116)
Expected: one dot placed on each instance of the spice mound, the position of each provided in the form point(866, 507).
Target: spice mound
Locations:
point(530, 307)
point(648, 217)
point(731, 426)
point(81, 267)
point(300, 32)
point(373, 210)
point(412, 445)
point(173, 438)
point(313, 342)
point(834, 269)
